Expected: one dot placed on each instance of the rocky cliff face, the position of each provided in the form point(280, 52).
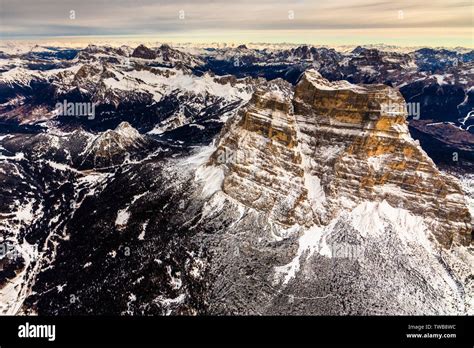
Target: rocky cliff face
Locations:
point(263, 164)
point(304, 158)
point(375, 158)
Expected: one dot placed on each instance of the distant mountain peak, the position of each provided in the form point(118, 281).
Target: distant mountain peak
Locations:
point(144, 52)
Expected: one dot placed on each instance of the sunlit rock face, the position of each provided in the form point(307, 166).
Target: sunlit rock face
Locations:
point(371, 155)
point(263, 162)
point(307, 155)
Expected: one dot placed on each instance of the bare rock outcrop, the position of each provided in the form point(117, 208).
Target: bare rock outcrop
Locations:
point(305, 156)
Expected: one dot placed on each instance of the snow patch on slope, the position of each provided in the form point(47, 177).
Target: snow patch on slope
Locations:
point(308, 244)
point(370, 219)
point(211, 177)
point(122, 218)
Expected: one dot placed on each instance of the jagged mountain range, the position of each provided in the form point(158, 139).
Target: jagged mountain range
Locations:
point(236, 181)
point(439, 81)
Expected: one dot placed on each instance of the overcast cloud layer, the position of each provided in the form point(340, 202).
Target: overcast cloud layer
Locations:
point(253, 19)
